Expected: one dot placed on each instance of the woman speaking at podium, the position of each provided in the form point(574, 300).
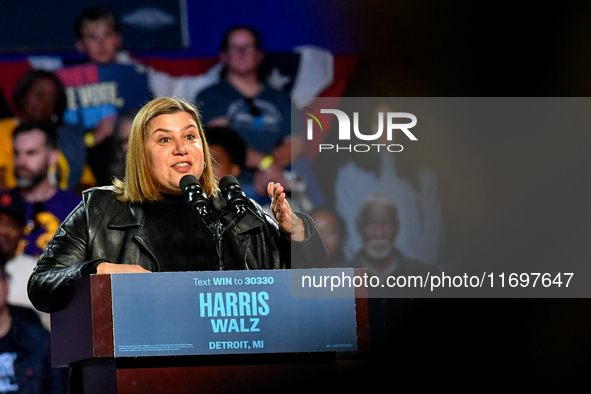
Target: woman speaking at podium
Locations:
point(144, 223)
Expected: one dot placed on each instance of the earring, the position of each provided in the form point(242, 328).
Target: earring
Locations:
point(204, 165)
point(52, 175)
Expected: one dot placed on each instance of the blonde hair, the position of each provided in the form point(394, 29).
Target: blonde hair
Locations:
point(139, 185)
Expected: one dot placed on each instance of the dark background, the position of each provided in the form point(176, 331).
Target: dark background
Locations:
point(41, 27)
point(506, 197)
point(49, 28)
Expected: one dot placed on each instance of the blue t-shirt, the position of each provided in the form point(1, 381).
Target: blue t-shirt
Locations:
point(262, 122)
point(8, 355)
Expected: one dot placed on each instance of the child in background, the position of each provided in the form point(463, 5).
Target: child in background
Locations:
point(102, 88)
point(97, 35)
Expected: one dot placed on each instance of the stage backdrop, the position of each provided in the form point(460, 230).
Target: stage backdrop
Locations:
point(145, 24)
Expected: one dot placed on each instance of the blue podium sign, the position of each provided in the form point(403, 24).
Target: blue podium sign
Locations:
point(225, 312)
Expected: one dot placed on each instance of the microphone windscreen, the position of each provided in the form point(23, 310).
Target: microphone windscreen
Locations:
point(226, 182)
point(188, 180)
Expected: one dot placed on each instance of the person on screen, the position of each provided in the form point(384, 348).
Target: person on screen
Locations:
point(143, 224)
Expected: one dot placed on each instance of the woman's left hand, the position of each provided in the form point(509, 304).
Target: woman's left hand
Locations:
point(289, 223)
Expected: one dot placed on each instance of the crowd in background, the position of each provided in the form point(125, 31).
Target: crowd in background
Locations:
point(67, 136)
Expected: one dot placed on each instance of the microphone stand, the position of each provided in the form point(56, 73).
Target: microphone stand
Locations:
point(217, 235)
point(218, 230)
point(213, 224)
point(200, 204)
point(236, 218)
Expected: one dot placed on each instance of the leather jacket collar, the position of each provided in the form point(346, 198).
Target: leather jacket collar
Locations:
point(127, 216)
point(132, 215)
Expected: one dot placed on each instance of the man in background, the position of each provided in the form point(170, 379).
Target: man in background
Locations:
point(46, 206)
point(256, 111)
point(378, 225)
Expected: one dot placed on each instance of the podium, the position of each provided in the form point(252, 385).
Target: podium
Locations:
point(205, 332)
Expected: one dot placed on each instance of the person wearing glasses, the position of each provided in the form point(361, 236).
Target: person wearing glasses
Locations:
point(258, 112)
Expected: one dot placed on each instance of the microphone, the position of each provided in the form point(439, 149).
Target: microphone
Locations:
point(198, 203)
point(196, 198)
point(236, 200)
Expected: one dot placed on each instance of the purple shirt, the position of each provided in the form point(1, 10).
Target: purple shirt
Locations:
point(43, 220)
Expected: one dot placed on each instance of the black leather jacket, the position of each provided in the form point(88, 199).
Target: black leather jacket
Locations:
point(101, 228)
